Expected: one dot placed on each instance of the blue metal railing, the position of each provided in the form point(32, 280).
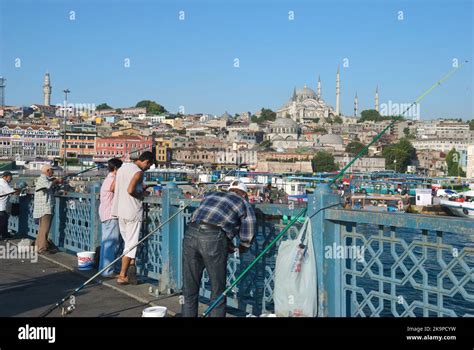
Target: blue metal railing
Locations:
point(401, 264)
point(393, 264)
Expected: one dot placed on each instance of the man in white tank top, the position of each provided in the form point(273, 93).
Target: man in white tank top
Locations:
point(128, 207)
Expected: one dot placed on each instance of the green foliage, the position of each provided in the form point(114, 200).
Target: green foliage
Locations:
point(268, 114)
point(103, 106)
point(452, 160)
point(337, 119)
point(471, 124)
point(406, 131)
point(152, 107)
point(265, 143)
point(402, 152)
point(322, 130)
point(354, 148)
point(118, 111)
point(265, 115)
point(373, 115)
point(71, 161)
point(323, 161)
point(370, 115)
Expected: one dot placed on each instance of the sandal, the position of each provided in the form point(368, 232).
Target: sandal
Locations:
point(122, 280)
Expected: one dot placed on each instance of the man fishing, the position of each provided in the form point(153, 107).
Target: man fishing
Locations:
point(5, 192)
point(43, 207)
point(208, 241)
point(127, 206)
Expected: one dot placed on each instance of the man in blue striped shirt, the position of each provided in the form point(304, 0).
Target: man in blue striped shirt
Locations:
point(208, 240)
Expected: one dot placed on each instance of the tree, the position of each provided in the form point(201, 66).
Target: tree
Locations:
point(268, 114)
point(323, 161)
point(370, 115)
point(118, 111)
point(265, 115)
point(399, 156)
point(354, 148)
point(452, 160)
point(407, 133)
point(152, 107)
point(471, 124)
point(337, 119)
point(103, 106)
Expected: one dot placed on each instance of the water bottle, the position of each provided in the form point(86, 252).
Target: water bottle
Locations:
point(299, 257)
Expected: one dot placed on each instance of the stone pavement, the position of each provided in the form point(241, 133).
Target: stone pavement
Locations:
point(28, 288)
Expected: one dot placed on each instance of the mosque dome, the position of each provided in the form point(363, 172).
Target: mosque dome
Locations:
point(331, 139)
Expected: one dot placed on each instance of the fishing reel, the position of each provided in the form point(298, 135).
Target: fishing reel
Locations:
point(22, 186)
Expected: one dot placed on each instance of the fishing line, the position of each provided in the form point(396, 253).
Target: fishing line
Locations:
point(397, 118)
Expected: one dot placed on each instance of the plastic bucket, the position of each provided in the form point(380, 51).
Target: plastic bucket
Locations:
point(155, 311)
point(85, 260)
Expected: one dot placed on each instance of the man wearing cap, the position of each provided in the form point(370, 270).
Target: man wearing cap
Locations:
point(5, 189)
point(43, 206)
point(208, 241)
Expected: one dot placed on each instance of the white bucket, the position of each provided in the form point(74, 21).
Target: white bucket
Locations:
point(85, 260)
point(155, 311)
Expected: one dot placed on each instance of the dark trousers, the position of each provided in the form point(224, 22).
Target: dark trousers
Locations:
point(3, 224)
point(204, 249)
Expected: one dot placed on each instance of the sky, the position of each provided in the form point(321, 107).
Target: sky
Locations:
point(238, 56)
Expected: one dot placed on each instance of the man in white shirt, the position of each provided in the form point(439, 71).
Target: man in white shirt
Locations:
point(127, 206)
point(5, 192)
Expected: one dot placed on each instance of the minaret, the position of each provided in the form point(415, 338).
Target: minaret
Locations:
point(338, 91)
point(47, 90)
point(294, 94)
point(356, 105)
point(377, 98)
point(319, 87)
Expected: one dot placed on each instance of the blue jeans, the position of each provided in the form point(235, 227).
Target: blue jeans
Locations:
point(109, 245)
point(204, 249)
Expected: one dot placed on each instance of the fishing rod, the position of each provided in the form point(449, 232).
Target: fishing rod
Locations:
point(397, 118)
point(214, 304)
point(97, 166)
point(341, 173)
point(60, 302)
point(247, 269)
point(23, 186)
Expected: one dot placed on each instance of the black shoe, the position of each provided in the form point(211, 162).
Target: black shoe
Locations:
point(52, 250)
point(132, 275)
point(45, 252)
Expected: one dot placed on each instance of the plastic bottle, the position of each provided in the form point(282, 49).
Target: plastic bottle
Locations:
point(299, 257)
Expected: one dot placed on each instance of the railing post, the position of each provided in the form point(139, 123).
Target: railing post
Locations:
point(325, 235)
point(95, 227)
point(23, 217)
point(171, 236)
point(54, 230)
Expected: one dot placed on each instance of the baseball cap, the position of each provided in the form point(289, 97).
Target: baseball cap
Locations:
point(6, 173)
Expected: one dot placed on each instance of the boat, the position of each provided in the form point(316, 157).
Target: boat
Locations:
point(462, 206)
